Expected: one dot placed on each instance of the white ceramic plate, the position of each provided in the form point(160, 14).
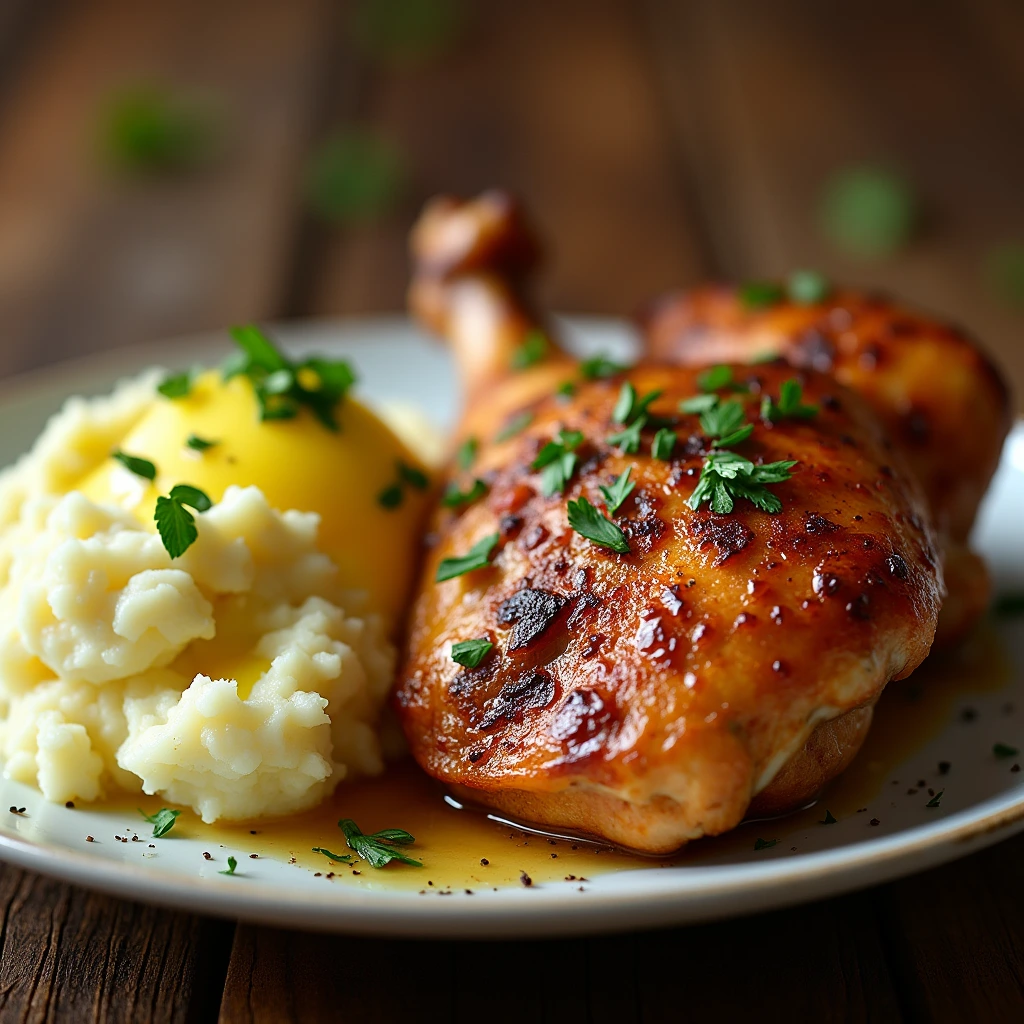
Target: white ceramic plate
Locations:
point(982, 801)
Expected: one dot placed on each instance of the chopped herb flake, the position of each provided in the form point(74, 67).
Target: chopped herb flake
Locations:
point(341, 858)
point(162, 822)
point(588, 522)
point(628, 407)
point(698, 404)
point(174, 522)
point(557, 461)
point(176, 385)
point(467, 453)
point(516, 425)
point(619, 491)
point(934, 802)
point(727, 476)
point(663, 443)
point(600, 367)
point(470, 653)
point(628, 440)
point(829, 818)
point(140, 467)
point(760, 294)
point(1004, 750)
point(454, 497)
point(764, 844)
point(232, 864)
point(200, 444)
point(718, 378)
point(533, 350)
point(478, 557)
point(808, 287)
point(378, 848)
point(790, 403)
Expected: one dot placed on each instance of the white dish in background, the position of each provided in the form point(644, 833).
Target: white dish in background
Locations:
point(982, 802)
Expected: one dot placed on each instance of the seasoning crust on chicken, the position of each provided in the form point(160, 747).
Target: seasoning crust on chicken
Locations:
point(727, 661)
point(939, 398)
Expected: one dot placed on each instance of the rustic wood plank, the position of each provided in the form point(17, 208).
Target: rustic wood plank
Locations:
point(769, 100)
point(556, 102)
point(90, 262)
point(67, 955)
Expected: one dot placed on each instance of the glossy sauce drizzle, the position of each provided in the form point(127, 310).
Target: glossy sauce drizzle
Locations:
point(465, 849)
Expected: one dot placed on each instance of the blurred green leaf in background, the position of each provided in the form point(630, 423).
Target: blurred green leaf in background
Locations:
point(1004, 268)
point(354, 176)
point(868, 212)
point(407, 31)
point(148, 130)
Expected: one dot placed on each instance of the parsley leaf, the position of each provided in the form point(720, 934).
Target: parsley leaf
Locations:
point(453, 497)
point(378, 848)
point(478, 557)
point(1004, 750)
point(162, 822)
point(565, 390)
point(628, 440)
point(934, 802)
point(724, 424)
point(759, 294)
point(341, 858)
point(600, 367)
point(467, 453)
point(232, 864)
point(869, 211)
point(619, 491)
point(808, 287)
point(140, 467)
point(718, 378)
point(829, 819)
point(628, 407)
point(176, 385)
point(393, 495)
point(698, 404)
point(589, 523)
point(412, 476)
point(726, 476)
point(471, 652)
point(790, 403)
point(533, 350)
point(174, 522)
point(764, 844)
point(282, 386)
point(557, 460)
point(199, 444)
point(663, 443)
point(516, 425)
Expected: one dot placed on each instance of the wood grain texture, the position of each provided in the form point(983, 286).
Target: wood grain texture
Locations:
point(556, 102)
point(91, 261)
point(769, 100)
point(69, 955)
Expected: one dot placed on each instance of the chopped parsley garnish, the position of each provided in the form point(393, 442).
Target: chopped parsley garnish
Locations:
point(619, 491)
point(467, 453)
point(140, 467)
point(790, 403)
point(723, 423)
point(764, 844)
point(341, 858)
point(1004, 750)
point(470, 653)
point(589, 523)
point(408, 476)
point(557, 461)
point(174, 522)
point(663, 443)
point(934, 802)
point(533, 350)
point(232, 864)
point(378, 848)
point(199, 444)
point(759, 294)
point(869, 211)
point(628, 440)
point(829, 819)
point(478, 557)
point(282, 386)
point(565, 390)
point(628, 407)
point(718, 378)
point(514, 426)
point(727, 476)
point(698, 404)
point(808, 287)
point(176, 385)
point(162, 822)
point(453, 497)
point(600, 367)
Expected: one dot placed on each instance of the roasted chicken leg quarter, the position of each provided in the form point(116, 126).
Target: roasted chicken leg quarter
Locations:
point(590, 651)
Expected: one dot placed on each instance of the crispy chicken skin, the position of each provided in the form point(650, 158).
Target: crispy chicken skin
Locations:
point(937, 395)
point(648, 698)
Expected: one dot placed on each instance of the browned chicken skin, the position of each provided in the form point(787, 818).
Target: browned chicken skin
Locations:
point(648, 698)
point(940, 400)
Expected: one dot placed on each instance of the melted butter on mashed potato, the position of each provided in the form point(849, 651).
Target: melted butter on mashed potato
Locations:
point(246, 677)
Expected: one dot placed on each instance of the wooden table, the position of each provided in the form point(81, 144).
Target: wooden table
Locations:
point(658, 143)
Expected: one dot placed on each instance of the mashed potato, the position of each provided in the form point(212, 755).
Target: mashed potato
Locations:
point(240, 679)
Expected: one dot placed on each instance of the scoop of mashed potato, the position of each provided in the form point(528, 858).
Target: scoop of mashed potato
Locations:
point(239, 679)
